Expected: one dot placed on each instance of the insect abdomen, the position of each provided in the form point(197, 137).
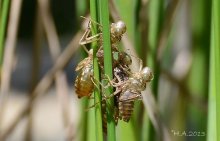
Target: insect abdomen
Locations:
point(126, 105)
point(83, 84)
point(104, 117)
point(126, 110)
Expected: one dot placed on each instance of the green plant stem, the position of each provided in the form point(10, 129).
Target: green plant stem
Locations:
point(0, 6)
point(3, 22)
point(97, 95)
point(214, 89)
point(104, 18)
point(83, 121)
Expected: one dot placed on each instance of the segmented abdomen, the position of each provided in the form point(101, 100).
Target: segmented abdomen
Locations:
point(104, 117)
point(126, 110)
point(126, 106)
point(83, 84)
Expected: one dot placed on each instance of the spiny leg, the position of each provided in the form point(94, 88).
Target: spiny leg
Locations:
point(117, 91)
point(95, 84)
point(93, 81)
point(94, 22)
point(85, 39)
point(104, 99)
point(125, 69)
point(85, 34)
point(114, 84)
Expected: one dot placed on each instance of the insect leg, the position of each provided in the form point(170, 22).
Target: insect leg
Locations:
point(125, 69)
point(91, 20)
point(111, 95)
point(85, 39)
point(113, 84)
point(95, 81)
point(95, 84)
point(104, 99)
point(118, 78)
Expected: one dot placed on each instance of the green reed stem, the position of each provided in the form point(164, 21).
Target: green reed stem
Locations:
point(214, 89)
point(3, 22)
point(104, 18)
point(97, 95)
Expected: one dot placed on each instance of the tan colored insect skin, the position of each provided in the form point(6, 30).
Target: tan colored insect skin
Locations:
point(120, 64)
point(130, 90)
point(83, 84)
point(125, 61)
point(119, 59)
point(116, 32)
point(129, 86)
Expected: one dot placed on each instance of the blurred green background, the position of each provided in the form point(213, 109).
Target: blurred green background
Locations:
point(173, 37)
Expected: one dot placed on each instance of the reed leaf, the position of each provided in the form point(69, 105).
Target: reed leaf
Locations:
point(214, 89)
point(104, 19)
point(97, 96)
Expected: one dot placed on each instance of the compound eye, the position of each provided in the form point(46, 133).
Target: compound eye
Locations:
point(147, 74)
point(120, 27)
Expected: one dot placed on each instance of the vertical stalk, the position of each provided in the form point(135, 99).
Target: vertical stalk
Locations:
point(97, 95)
point(0, 7)
point(214, 89)
point(3, 21)
point(104, 18)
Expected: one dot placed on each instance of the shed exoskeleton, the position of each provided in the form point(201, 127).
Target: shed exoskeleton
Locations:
point(128, 87)
point(84, 84)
